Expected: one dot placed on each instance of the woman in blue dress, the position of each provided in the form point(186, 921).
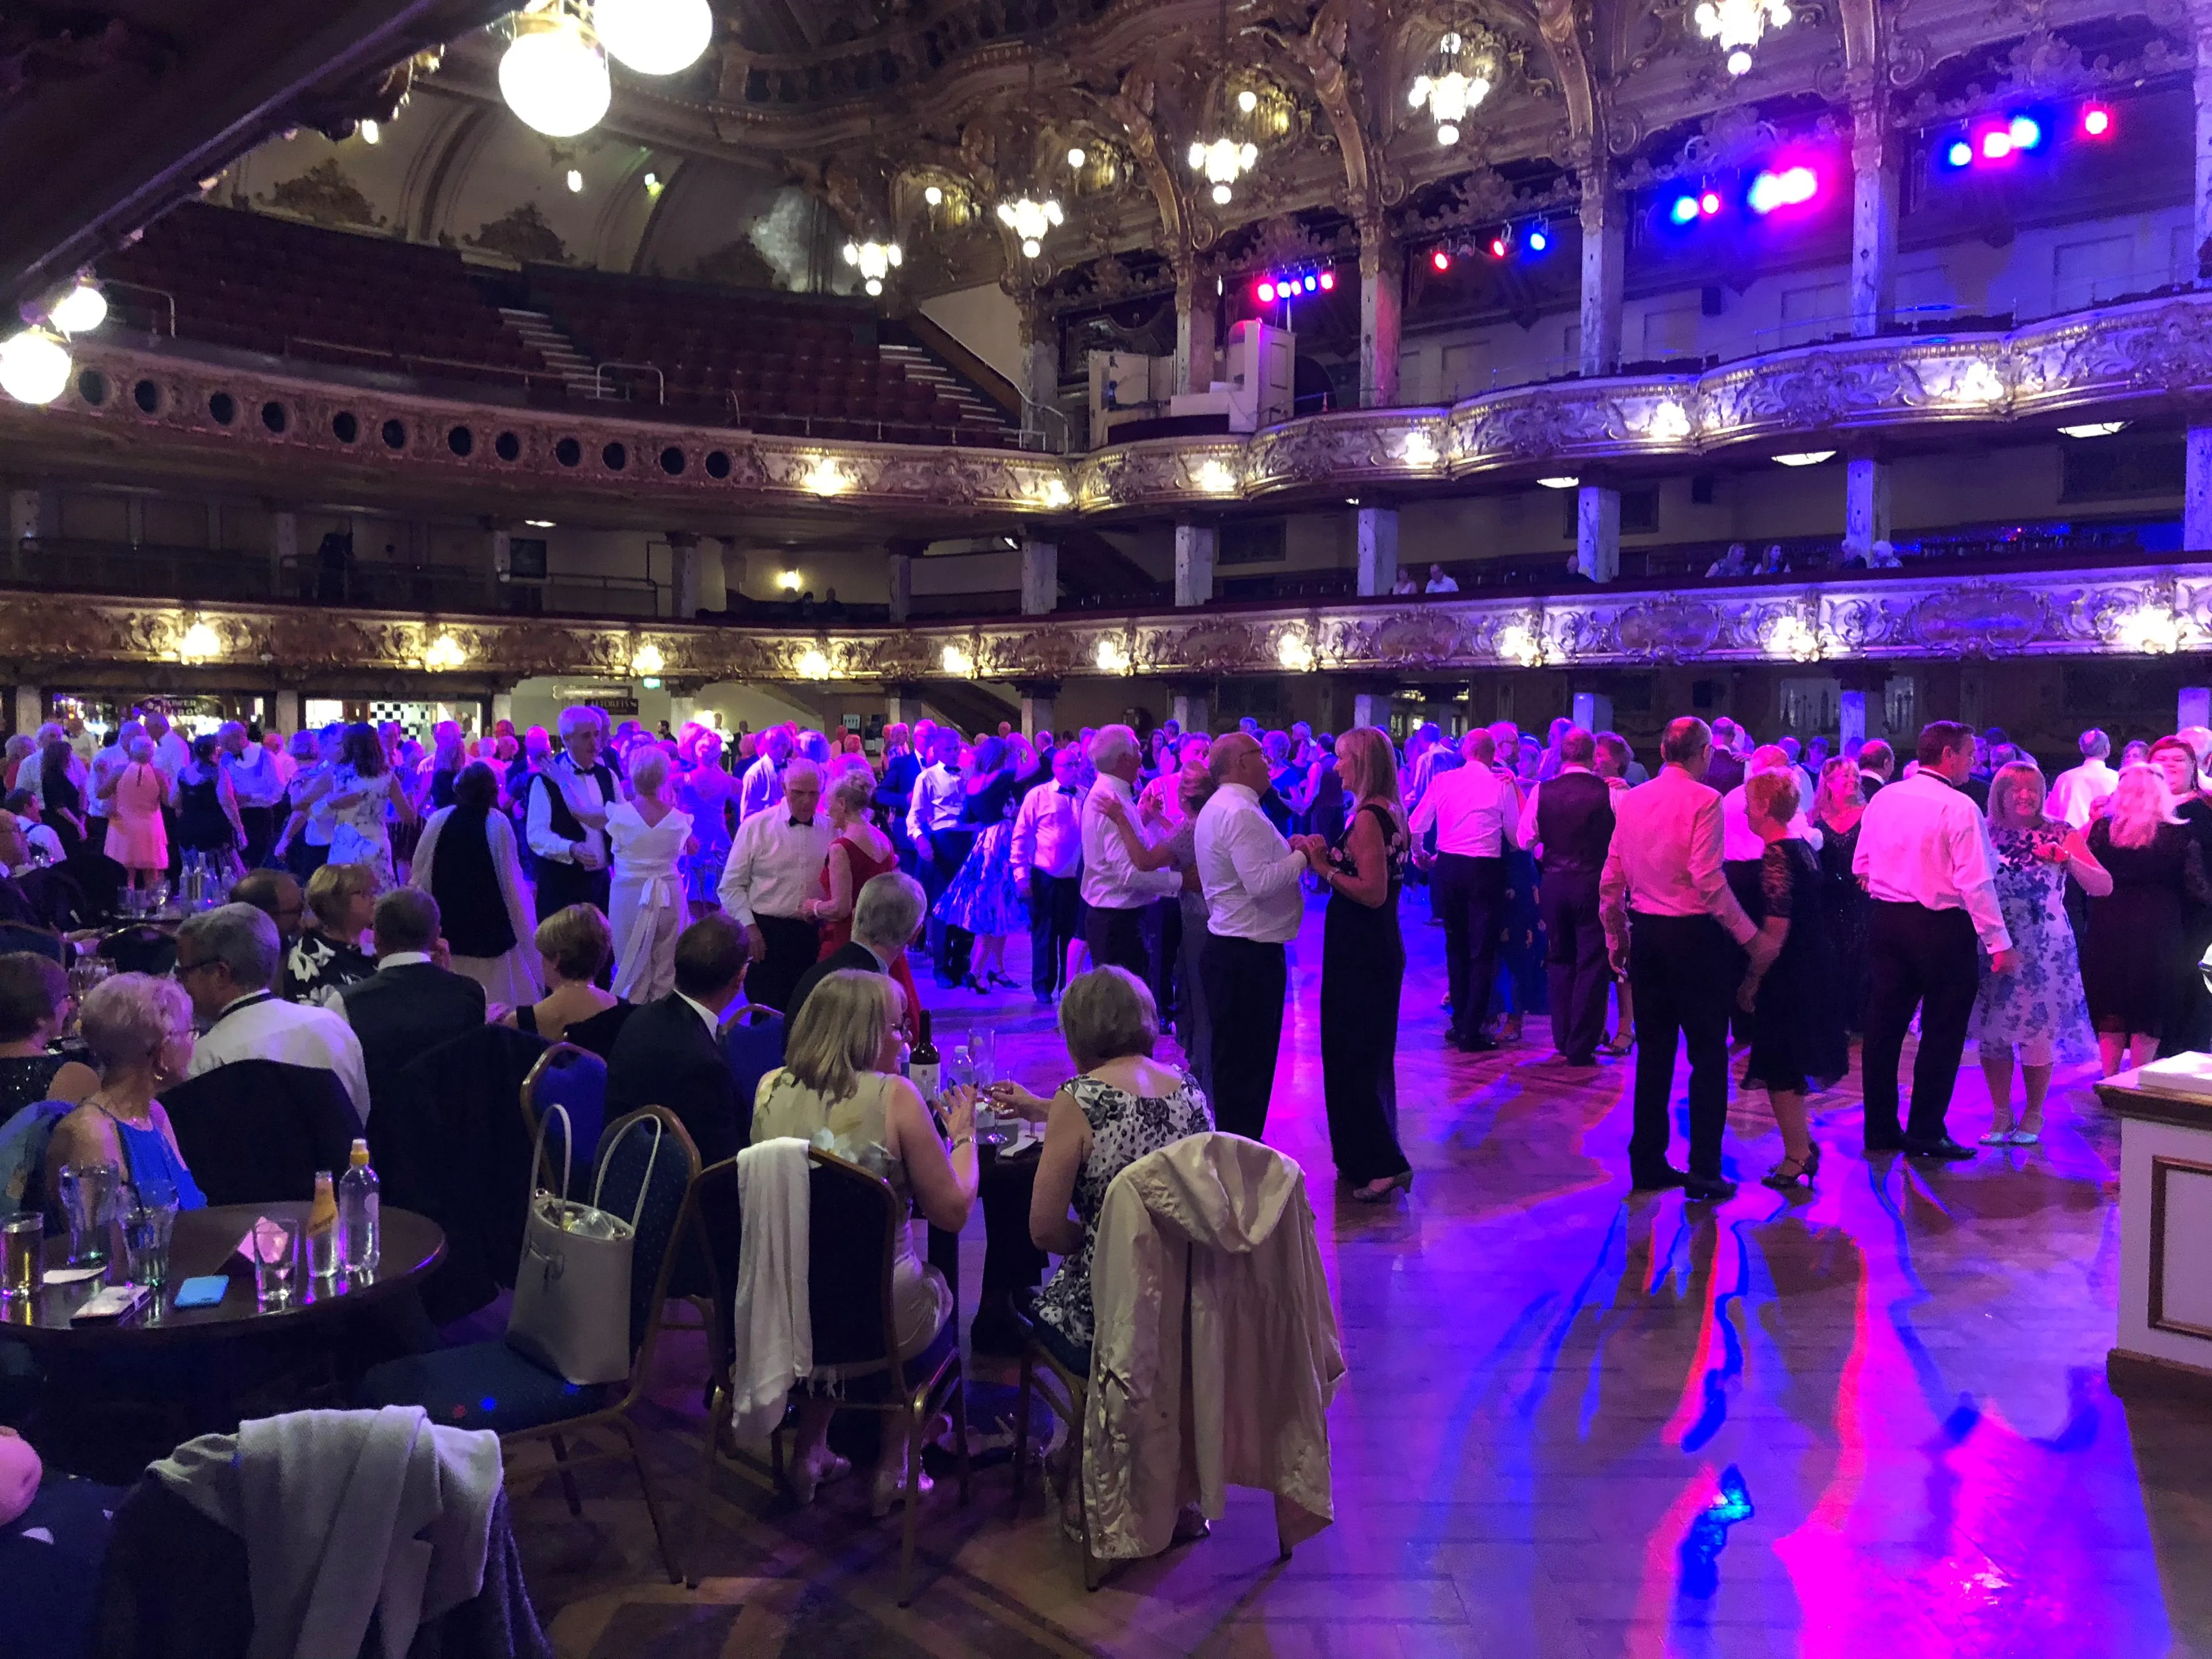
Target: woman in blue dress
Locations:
point(139, 1031)
point(981, 898)
point(2038, 1010)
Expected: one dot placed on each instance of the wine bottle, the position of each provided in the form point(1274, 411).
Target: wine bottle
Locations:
point(923, 1066)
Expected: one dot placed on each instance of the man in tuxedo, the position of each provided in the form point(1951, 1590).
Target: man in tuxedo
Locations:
point(670, 1052)
point(410, 1003)
point(886, 918)
point(565, 823)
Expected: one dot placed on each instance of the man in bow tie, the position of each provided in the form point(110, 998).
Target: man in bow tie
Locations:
point(1047, 854)
point(774, 867)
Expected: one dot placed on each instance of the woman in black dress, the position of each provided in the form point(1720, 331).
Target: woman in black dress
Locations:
point(1364, 969)
point(2138, 945)
point(207, 808)
point(1836, 807)
point(61, 803)
point(35, 998)
point(1797, 1041)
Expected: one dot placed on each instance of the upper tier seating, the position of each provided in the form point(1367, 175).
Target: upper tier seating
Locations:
point(789, 364)
point(258, 284)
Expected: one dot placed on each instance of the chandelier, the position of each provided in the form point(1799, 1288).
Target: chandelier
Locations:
point(1222, 161)
point(35, 363)
point(654, 37)
point(1461, 79)
point(1738, 25)
point(876, 260)
point(553, 73)
point(1029, 221)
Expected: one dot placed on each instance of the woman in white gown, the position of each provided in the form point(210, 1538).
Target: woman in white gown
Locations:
point(648, 838)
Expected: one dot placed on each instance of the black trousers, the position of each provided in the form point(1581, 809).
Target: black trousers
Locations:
point(260, 825)
point(792, 946)
point(1577, 962)
point(949, 946)
point(1246, 984)
point(1163, 942)
point(561, 884)
point(1116, 938)
point(1470, 895)
point(1056, 901)
point(1678, 968)
point(1918, 958)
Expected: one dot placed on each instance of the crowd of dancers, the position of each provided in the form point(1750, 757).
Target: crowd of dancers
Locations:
point(1773, 902)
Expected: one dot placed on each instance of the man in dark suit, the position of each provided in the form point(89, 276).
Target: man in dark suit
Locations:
point(410, 1005)
point(670, 1052)
point(886, 917)
point(1569, 816)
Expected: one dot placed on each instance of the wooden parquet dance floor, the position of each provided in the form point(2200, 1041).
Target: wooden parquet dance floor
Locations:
point(1868, 1422)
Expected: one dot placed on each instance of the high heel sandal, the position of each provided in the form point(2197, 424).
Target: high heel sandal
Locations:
point(805, 1475)
point(2029, 1132)
point(1400, 1182)
point(1794, 1171)
point(2001, 1136)
point(1620, 1047)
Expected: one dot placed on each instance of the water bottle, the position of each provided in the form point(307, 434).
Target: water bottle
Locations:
point(360, 1223)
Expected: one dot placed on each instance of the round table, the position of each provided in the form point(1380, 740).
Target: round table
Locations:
point(207, 1242)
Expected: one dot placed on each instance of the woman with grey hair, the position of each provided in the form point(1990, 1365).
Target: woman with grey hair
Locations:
point(647, 837)
point(136, 796)
point(139, 1029)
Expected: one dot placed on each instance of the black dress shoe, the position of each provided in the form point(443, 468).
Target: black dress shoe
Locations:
point(1477, 1045)
point(1656, 1180)
point(1946, 1149)
point(1698, 1190)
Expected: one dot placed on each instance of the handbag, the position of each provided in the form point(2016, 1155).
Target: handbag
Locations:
point(572, 1293)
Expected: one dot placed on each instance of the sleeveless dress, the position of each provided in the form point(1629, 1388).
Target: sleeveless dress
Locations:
point(1363, 971)
point(147, 1156)
point(597, 1033)
point(1124, 1127)
point(707, 792)
point(854, 1129)
point(2137, 944)
point(1844, 910)
point(359, 832)
point(137, 837)
point(2042, 998)
point(201, 825)
point(1797, 1040)
point(982, 897)
point(645, 900)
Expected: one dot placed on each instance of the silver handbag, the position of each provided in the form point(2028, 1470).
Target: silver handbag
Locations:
point(572, 1293)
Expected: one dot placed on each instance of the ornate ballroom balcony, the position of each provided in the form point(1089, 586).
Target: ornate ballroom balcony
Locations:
point(134, 413)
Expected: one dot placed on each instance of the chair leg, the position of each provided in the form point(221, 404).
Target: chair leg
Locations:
point(651, 1500)
point(568, 1480)
point(706, 1483)
point(1022, 1429)
point(911, 1427)
point(960, 1430)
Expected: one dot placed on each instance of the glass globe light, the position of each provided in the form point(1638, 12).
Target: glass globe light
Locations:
point(1448, 134)
point(35, 367)
point(80, 310)
point(933, 195)
point(554, 76)
point(1031, 247)
point(655, 37)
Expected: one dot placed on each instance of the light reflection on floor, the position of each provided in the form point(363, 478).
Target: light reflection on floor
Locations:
point(1868, 1422)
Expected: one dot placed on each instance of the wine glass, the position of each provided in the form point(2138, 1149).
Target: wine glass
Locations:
point(983, 1056)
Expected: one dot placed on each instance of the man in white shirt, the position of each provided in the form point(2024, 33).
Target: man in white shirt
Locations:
point(1254, 902)
point(2074, 792)
point(763, 785)
point(1664, 860)
point(565, 822)
point(1439, 582)
point(1047, 858)
point(775, 866)
point(936, 826)
point(251, 770)
point(171, 752)
point(1924, 858)
point(1476, 813)
point(226, 959)
point(1116, 891)
point(1740, 842)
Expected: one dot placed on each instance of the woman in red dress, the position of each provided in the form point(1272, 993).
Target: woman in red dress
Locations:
point(859, 852)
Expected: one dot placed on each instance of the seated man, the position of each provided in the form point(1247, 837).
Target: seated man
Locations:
point(410, 1005)
point(670, 1053)
point(887, 917)
point(277, 895)
point(225, 958)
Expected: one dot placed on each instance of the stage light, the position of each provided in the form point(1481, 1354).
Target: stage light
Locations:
point(1267, 294)
point(1327, 281)
point(1440, 259)
point(1538, 239)
point(1563, 481)
point(1499, 246)
point(1313, 284)
point(2026, 132)
point(1997, 144)
point(1961, 154)
point(1709, 204)
point(2096, 121)
point(1791, 187)
point(1684, 209)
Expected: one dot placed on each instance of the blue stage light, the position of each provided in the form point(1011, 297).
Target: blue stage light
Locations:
point(2024, 131)
point(1961, 154)
point(1538, 241)
point(1684, 209)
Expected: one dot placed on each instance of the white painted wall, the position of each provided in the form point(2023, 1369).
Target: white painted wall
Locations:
point(984, 320)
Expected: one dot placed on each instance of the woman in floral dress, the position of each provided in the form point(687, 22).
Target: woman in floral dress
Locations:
point(2037, 1011)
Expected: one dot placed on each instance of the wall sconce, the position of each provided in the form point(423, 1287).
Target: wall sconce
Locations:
point(959, 662)
point(199, 644)
point(1521, 645)
point(814, 663)
point(1669, 424)
point(1216, 477)
point(444, 655)
point(823, 476)
point(2151, 629)
point(1295, 652)
point(1112, 657)
point(646, 661)
point(1792, 639)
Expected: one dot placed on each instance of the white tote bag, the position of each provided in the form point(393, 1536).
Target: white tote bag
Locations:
point(572, 1293)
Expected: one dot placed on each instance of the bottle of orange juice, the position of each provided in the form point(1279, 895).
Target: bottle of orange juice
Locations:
point(323, 1228)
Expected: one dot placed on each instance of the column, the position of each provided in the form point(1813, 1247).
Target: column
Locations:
point(1039, 382)
point(1195, 545)
point(1197, 307)
point(1593, 711)
point(502, 564)
point(1189, 711)
point(2194, 708)
point(502, 707)
point(684, 575)
point(1040, 577)
point(1372, 708)
point(134, 520)
point(2196, 492)
point(30, 708)
point(1378, 550)
point(901, 705)
point(284, 548)
point(214, 526)
point(1597, 533)
point(1038, 698)
point(1853, 705)
point(287, 705)
point(1605, 222)
point(1865, 503)
point(898, 578)
point(27, 519)
point(733, 568)
point(1381, 268)
point(1876, 196)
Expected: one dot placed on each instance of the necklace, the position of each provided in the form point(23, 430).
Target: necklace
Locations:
point(94, 1101)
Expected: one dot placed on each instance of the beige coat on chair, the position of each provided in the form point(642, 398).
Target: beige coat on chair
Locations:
point(1217, 1354)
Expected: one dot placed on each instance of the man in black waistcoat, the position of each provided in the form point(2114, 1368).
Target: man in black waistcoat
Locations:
point(567, 822)
point(1569, 821)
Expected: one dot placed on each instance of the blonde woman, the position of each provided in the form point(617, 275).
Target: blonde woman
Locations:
point(2136, 946)
point(839, 1087)
point(1364, 969)
point(647, 837)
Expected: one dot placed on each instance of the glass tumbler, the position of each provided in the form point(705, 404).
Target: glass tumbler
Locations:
point(148, 1221)
point(89, 1200)
point(22, 1263)
point(276, 1250)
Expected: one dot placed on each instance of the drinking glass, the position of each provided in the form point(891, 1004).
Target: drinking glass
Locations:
point(148, 1222)
point(89, 1201)
point(22, 1265)
point(276, 1251)
point(983, 1056)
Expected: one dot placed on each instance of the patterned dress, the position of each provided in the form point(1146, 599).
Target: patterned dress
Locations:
point(2041, 1000)
point(1124, 1127)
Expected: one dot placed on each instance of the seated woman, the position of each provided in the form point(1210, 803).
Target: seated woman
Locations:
point(327, 955)
point(1122, 1106)
point(839, 1087)
point(139, 1030)
point(35, 997)
point(573, 947)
